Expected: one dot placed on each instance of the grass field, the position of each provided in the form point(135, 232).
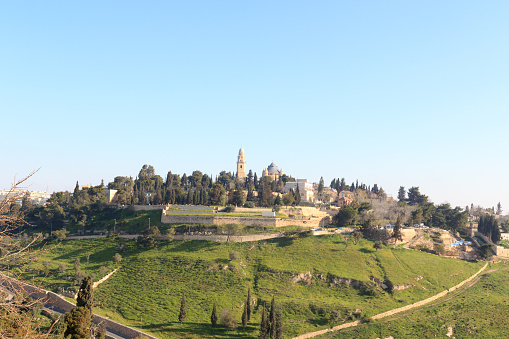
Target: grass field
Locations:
point(147, 289)
point(478, 312)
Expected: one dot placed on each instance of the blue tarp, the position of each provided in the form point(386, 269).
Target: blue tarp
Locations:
point(461, 242)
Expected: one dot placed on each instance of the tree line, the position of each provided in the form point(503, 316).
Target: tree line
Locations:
point(411, 209)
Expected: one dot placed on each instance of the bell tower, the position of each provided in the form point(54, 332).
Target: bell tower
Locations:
point(241, 165)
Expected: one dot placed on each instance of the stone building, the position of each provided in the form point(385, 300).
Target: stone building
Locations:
point(241, 165)
point(273, 172)
point(306, 190)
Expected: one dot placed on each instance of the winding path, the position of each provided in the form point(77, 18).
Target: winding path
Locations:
point(393, 311)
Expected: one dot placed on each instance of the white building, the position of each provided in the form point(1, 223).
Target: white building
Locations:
point(305, 189)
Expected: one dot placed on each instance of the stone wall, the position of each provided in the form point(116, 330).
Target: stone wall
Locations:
point(502, 252)
point(232, 238)
point(247, 221)
point(499, 251)
point(148, 207)
point(407, 234)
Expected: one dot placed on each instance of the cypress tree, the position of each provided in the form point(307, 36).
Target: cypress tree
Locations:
point(248, 303)
point(495, 232)
point(213, 317)
point(279, 325)
point(85, 296)
point(203, 197)
point(272, 319)
point(244, 316)
point(182, 313)
point(396, 234)
point(196, 198)
point(297, 196)
point(264, 325)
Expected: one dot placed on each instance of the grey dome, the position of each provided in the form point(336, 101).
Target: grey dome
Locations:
point(273, 168)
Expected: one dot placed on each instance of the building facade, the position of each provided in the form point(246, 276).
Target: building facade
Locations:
point(306, 190)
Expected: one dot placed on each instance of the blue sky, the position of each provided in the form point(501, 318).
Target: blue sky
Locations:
point(396, 93)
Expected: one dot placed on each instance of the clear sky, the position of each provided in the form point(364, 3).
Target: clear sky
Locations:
point(398, 93)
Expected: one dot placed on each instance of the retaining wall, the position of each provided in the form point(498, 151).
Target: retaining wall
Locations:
point(247, 221)
point(499, 251)
point(232, 238)
point(148, 207)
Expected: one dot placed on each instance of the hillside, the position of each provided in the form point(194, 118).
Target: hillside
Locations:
point(477, 312)
point(315, 280)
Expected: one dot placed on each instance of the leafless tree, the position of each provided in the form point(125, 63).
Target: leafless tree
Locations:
point(16, 308)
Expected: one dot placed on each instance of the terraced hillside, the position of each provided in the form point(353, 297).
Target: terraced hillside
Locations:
point(317, 281)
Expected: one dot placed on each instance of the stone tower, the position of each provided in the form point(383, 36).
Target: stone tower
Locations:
point(241, 165)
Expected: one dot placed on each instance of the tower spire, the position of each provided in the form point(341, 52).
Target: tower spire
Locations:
point(241, 165)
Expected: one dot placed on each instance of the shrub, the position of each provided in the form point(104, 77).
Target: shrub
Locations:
point(78, 277)
point(439, 249)
point(228, 209)
point(227, 320)
point(234, 255)
point(102, 270)
point(170, 234)
point(47, 265)
point(334, 316)
point(249, 204)
point(152, 230)
point(60, 234)
point(366, 319)
point(61, 268)
point(117, 258)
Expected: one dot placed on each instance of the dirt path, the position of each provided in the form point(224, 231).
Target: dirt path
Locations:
point(441, 301)
point(469, 282)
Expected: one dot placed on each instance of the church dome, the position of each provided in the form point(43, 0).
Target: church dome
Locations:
point(273, 168)
point(241, 151)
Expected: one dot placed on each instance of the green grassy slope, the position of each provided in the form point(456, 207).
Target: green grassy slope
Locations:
point(149, 285)
point(478, 312)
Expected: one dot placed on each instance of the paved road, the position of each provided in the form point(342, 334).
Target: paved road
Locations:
point(8, 283)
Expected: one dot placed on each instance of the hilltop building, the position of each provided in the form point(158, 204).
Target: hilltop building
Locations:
point(241, 165)
point(306, 190)
point(273, 172)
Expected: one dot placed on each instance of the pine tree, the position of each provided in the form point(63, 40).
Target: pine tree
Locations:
point(182, 313)
point(213, 317)
point(264, 325)
point(248, 302)
point(85, 296)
